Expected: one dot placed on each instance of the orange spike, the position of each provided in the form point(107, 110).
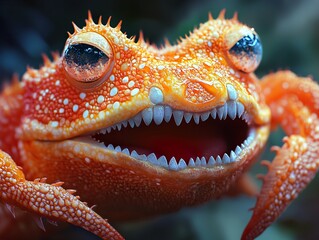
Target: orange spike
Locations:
point(141, 38)
point(235, 17)
point(109, 21)
point(55, 55)
point(222, 14)
point(133, 38)
point(43, 180)
point(46, 60)
point(167, 43)
point(100, 20)
point(90, 19)
point(15, 79)
point(57, 184)
point(119, 25)
point(210, 16)
point(76, 28)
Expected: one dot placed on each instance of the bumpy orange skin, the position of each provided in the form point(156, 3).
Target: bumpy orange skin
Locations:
point(40, 115)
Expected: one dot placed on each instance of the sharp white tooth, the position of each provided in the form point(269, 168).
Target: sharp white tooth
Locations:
point(167, 113)
point(138, 120)
point(152, 159)
point(163, 161)
point(117, 149)
point(182, 164)
point(232, 156)
point(240, 109)
point(114, 127)
point(211, 161)
point(111, 147)
point(126, 151)
point(196, 118)
point(243, 145)
point(225, 111)
point(220, 112)
point(124, 123)
point(198, 162)
point(203, 161)
point(147, 115)
point(191, 163)
point(173, 164)
point(178, 117)
point(246, 142)
point(158, 114)
point(188, 117)
point(134, 154)
point(213, 113)
point(109, 129)
point(232, 93)
point(131, 122)
point(119, 126)
point(238, 150)
point(226, 158)
point(204, 116)
point(142, 157)
point(219, 160)
point(102, 131)
point(231, 108)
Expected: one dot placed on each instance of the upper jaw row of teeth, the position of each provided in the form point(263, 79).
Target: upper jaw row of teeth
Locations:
point(180, 164)
point(160, 113)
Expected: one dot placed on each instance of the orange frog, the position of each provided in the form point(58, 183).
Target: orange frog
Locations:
point(140, 131)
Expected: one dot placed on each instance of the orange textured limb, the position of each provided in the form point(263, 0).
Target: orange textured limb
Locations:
point(49, 201)
point(294, 105)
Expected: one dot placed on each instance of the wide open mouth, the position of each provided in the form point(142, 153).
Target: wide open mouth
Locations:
point(175, 139)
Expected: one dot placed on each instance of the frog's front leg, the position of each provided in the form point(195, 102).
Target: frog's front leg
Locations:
point(294, 104)
point(50, 201)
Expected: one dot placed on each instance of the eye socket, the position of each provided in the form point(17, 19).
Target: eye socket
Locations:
point(245, 53)
point(87, 59)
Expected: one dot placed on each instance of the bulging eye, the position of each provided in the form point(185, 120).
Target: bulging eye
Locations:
point(246, 52)
point(87, 59)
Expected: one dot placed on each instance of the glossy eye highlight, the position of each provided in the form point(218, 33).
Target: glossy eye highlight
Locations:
point(246, 52)
point(87, 59)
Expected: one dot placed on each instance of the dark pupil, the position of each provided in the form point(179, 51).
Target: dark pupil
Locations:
point(82, 54)
point(249, 44)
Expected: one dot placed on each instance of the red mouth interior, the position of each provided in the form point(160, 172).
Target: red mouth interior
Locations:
point(209, 138)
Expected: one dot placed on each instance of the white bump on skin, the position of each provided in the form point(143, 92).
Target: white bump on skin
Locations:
point(125, 79)
point(54, 124)
point(112, 78)
point(116, 105)
point(82, 95)
point(160, 67)
point(156, 95)
point(100, 99)
point(131, 84)
point(142, 66)
point(61, 110)
point(66, 101)
point(75, 108)
point(57, 82)
point(134, 91)
point(113, 91)
point(85, 114)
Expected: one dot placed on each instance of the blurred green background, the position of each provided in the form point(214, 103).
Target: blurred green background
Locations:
point(289, 30)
